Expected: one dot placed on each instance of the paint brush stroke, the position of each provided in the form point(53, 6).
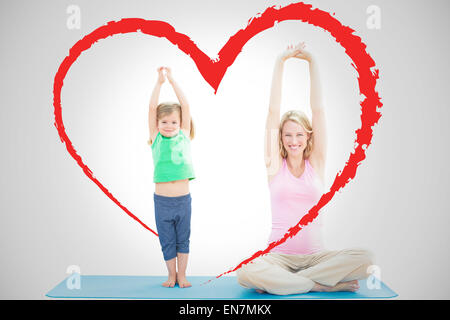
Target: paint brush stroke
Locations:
point(367, 78)
point(214, 70)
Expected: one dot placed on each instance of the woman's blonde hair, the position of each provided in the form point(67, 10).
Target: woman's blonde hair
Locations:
point(166, 108)
point(300, 118)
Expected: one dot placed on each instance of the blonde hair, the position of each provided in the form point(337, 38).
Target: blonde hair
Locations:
point(165, 109)
point(300, 118)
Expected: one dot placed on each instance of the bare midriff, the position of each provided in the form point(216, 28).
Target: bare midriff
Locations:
point(172, 188)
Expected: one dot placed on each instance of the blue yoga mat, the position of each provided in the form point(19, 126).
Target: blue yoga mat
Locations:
point(149, 287)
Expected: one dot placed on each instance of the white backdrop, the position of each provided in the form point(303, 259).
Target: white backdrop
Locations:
point(54, 216)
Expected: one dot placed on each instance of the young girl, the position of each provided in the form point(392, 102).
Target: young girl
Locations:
point(171, 129)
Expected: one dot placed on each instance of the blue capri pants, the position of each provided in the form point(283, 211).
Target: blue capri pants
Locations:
point(173, 223)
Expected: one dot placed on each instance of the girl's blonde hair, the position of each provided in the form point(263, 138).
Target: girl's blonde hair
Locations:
point(300, 118)
point(166, 108)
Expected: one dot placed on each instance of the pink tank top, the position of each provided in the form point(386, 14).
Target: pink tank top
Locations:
point(291, 198)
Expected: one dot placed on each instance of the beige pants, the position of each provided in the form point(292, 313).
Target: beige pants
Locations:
point(293, 274)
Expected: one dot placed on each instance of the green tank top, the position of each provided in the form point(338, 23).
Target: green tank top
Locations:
point(172, 158)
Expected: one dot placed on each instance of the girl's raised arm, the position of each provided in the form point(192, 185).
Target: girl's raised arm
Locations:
point(185, 110)
point(152, 125)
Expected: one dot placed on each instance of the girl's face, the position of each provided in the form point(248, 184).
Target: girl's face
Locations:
point(294, 138)
point(169, 125)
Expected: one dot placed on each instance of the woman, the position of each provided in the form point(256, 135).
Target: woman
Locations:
point(295, 154)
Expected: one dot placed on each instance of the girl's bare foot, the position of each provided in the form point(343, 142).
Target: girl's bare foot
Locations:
point(170, 283)
point(351, 286)
point(172, 272)
point(182, 281)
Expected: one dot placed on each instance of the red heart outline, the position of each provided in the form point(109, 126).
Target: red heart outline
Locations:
point(214, 70)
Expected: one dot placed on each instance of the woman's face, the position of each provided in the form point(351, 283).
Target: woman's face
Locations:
point(169, 125)
point(294, 138)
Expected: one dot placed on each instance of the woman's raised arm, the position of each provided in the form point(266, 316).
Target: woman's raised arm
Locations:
point(271, 147)
point(319, 152)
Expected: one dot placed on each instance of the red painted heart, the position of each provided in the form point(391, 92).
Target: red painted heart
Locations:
point(214, 70)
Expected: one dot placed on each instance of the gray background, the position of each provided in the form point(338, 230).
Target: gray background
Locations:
point(53, 216)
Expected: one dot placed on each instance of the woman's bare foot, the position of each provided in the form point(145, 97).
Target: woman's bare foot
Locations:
point(260, 291)
point(351, 286)
point(182, 281)
point(170, 283)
